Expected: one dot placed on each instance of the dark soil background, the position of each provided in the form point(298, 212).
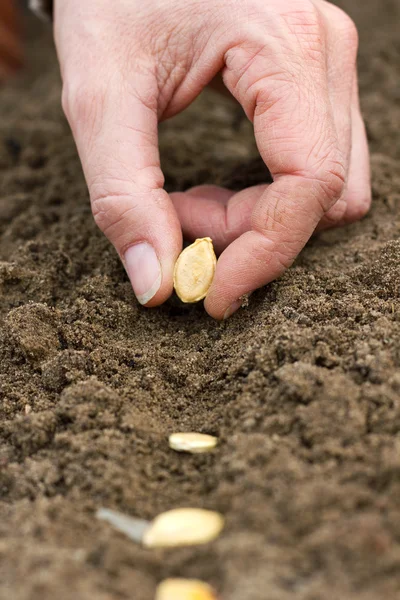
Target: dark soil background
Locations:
point(302, 386)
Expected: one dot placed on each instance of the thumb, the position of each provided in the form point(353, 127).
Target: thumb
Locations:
point(115, 127)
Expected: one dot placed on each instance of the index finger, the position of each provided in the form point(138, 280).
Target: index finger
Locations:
point(296, 136)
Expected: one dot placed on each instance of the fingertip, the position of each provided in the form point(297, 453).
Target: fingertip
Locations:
point(237, 274)
point(220, 314)
point(358, 208)
point(150, 274)
point(164, 287)
point(232, 309)
point(214, 303)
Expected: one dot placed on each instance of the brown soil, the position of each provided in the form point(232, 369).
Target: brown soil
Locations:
point(302, 386)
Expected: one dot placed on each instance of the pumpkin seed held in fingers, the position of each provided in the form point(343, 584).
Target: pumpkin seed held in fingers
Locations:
point(194, 270)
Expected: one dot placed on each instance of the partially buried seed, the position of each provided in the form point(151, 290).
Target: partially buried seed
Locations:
point(183, 527)
point(184, 589)
point(194, 270)
point(195, 443)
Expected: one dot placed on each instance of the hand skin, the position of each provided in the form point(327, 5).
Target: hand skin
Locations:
point(10, 43)
point(128, 64)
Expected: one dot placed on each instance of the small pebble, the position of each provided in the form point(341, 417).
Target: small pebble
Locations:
point(184, 589)
point(183, 527)
point(194, 270)
point(195, 443)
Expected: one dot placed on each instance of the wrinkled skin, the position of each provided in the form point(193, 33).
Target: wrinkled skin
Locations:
point(10, 43)
point(128, 64)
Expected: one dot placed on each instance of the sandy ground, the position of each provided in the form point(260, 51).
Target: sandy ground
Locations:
point(302, 387)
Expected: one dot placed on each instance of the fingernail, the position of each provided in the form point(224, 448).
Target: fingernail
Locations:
point(232, 308)
point(144, 271)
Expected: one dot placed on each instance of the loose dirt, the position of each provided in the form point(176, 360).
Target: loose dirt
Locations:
point(302, 387)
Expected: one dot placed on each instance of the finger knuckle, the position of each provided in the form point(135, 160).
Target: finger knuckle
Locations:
point(335, 177)
point(81, 101)
point(109, 208)
point(266, 63)
point(303, 22)
point(114, 204)
point(346, 29)
point(333, 185)
point(283, 254)
point(305, 12)
point(330, 180)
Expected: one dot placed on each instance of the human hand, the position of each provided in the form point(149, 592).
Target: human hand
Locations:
point(292, 66)
point(10, 46)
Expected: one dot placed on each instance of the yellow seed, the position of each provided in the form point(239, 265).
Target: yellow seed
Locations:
point(195, 443)
point(184, 589)
point(183, 527)
point(194, 270)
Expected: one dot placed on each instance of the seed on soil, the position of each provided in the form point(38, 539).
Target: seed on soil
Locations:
point(194, 270)
point(183, 527)
point(195, 443)
point(184, 589)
